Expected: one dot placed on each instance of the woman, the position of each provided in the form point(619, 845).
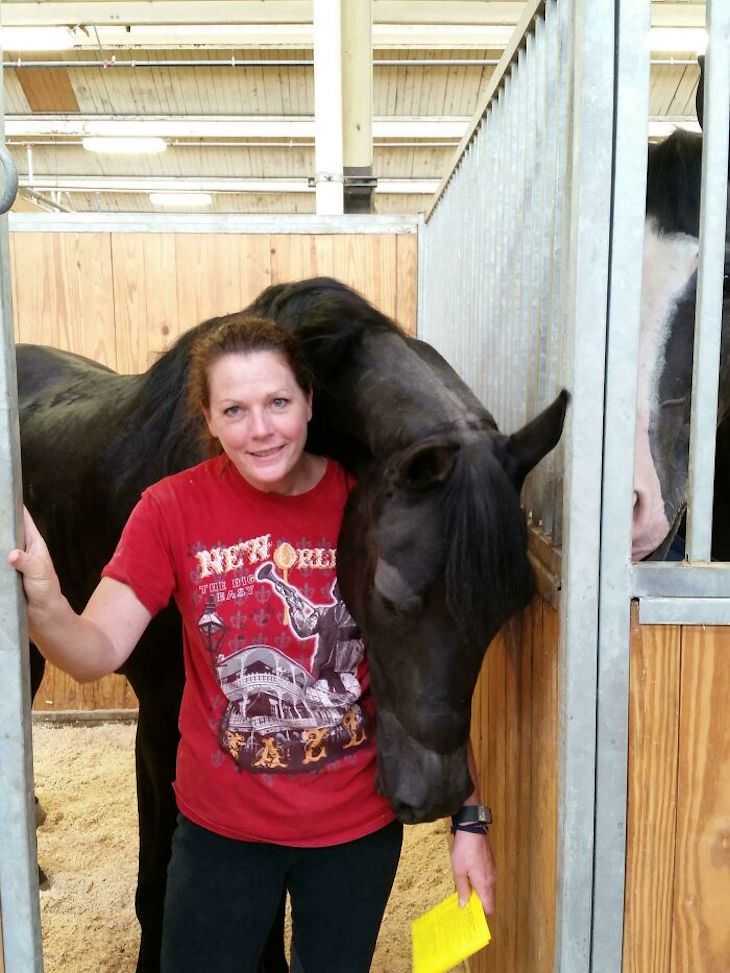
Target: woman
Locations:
point(275, 778)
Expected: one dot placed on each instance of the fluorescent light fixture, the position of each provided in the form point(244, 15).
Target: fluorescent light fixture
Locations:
point(678, 39)
point(36, 38)
point(660, 128)
point(124, 145)
point(181, 199)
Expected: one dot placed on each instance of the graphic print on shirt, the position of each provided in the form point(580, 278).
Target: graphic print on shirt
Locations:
point(286, 711)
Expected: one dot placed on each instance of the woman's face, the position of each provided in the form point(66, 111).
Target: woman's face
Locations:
point(259, 414)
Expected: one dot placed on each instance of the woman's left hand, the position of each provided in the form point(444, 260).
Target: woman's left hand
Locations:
point(473, 866)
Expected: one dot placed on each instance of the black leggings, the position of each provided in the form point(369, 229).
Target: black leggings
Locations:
point(222, 897)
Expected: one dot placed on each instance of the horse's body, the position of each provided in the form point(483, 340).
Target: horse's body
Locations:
point(665, 378)
point(432, 557)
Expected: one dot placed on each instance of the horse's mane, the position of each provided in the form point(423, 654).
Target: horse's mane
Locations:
point(329, 319)
point(673, 182)
point(480, 501)
point(159, 429)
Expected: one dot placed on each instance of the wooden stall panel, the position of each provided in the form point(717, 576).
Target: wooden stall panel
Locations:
point(407, 292)
point(218, 274)
point(514, 731)
point(63, 292)
point(59, 692)
point(654, 693)
point(368, 263)
point(678, 851)
point(701, 930)
point(145, 298)
point(539, 871)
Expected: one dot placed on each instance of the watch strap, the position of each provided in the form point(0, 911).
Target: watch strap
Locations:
point(474, 818)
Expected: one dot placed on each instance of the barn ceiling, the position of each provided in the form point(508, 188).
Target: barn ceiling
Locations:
point(229, 86)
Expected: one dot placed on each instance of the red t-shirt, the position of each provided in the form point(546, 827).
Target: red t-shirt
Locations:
point(277, 721)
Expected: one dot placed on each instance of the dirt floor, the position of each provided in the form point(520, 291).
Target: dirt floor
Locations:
point(88, 846)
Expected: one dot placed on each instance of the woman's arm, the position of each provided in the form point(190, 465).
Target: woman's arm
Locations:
point(472, 861)
point(86, 646)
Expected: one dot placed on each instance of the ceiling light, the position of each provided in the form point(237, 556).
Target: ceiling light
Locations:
point(181, 199)
point(660, 128)
point(678, 39)
point(36, 38)
point(124, 146)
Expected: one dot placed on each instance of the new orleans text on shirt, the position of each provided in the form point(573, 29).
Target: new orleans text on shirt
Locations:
point(221, 560)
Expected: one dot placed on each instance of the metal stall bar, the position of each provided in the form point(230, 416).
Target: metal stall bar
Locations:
point(586, 281)
point(21, 928)
point(703, 419)
point(624, 320)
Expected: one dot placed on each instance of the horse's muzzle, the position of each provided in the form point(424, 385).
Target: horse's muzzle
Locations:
point(420, 784)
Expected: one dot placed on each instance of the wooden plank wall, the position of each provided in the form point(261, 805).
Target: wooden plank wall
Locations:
point(123, 298)
point(677, 906)
point(514, 732)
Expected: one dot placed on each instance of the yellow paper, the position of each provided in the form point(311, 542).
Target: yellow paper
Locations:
point(446, 934)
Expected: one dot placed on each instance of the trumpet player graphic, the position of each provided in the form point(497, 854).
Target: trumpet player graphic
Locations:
point(338, 649)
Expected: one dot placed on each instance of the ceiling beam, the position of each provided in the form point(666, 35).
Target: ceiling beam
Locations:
point(297, 128)
point(272, 12)
point(300, 127)
point(287, 24)
point(283, 36)
point(220, 184)
point(251, 12)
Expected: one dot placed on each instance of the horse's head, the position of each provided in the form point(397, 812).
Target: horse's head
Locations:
point(432, 561)
point(667, 337)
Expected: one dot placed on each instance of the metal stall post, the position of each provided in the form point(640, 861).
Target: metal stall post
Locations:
point(624, 318)
point(586, 298)
point(21, 929)
point(547, 187)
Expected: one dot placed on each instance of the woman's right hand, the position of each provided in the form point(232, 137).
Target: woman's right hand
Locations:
point(87, 646)
point(35, 565)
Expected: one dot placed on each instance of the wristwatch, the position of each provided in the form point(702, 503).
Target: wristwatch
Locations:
point(472, 817)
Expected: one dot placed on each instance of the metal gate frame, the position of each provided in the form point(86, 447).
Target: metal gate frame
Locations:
point(19, 907)
point(606, 179)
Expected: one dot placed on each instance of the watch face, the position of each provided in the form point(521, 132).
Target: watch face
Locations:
point(474, 813)
point(485, 814)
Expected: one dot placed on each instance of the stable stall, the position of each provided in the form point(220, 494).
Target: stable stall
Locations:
point(600, 713)
point(600, 708)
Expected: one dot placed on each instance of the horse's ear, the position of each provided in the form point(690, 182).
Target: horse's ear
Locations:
point(525, 448)
point(425, 465)
point(700, 95)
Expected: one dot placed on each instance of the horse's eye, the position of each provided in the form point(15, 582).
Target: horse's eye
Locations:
point(389, 605)
point(429, 467)
point(408, 606)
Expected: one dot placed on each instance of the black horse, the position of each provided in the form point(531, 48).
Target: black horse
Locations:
point(431, 560)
